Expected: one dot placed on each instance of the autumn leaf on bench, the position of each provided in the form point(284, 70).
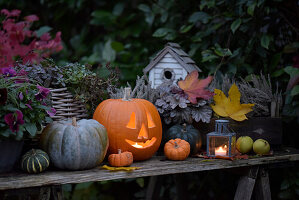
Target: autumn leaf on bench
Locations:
point(195, 88)
point(120, 168)
point(230, 106)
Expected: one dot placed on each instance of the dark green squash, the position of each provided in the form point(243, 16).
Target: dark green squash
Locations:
point(35, 161)
point(187, 133)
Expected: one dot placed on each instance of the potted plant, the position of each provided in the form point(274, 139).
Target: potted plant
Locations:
point(24, 108)
point(75, 89)
point(255, 97)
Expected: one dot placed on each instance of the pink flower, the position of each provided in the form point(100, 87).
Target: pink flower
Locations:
point(29, 104)
point(21, 96)
point(51, 112)
point(8, 72)
point(31, 18)
point(42, 93)
point(14, 120)
point(13, 13)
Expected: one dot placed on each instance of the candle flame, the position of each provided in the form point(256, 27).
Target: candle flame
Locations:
point(220, 149)
point(137, 145)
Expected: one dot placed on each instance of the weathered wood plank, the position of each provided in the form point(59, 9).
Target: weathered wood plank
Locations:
point(153, 167)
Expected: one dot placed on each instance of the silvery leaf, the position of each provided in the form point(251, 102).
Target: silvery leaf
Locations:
point(201, 102)
point(203, 114)
point(160, 102)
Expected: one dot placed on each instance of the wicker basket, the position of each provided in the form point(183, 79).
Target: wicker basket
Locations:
point(66, 106)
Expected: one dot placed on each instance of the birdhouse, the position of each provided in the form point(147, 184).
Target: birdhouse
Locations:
point(170, 64)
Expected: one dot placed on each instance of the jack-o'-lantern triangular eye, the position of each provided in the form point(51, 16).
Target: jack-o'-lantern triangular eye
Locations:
point(132, 123)
point(150, 122)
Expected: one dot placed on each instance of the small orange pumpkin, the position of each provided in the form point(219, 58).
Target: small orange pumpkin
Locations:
point(121, 159)
point(177, 149)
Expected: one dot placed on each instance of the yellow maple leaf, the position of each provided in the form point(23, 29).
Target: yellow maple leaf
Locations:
point(230, 106)
point(120, 168)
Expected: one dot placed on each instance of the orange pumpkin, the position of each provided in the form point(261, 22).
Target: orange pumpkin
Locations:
point(133, 125)
point(177, 149)
point(121, 159)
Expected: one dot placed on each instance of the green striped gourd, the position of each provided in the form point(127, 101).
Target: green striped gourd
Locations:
point(35, 161)
point(75, 145)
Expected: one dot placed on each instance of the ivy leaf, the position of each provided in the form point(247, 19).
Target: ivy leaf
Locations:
point(295, 91)
point(265, 41)
point(42, 30)
point(185, 28)
point(31, 128)
point(161, 32)
point(250, 9)
point(195, 88)
point(235, 25)
point(230, 106)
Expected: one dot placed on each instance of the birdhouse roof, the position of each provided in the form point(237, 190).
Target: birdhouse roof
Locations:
point(175, 50)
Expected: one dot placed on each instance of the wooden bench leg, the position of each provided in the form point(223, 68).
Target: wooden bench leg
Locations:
point(154, 187)
point(246, 184)
point(57, 193)
point(181, 186)
point(44, 193)
point(262, 188)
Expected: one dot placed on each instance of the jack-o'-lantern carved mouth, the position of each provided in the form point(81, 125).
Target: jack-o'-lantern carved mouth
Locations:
point(142, 145)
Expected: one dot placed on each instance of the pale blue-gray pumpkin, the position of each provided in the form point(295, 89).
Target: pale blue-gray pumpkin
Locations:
point(187, 133)
point(35, 161)
point(75, 145)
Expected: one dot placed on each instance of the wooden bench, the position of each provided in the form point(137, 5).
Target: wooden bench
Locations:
point(47, 183)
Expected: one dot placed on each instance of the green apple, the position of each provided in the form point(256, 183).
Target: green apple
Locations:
point(244, 144)
point(261, 147)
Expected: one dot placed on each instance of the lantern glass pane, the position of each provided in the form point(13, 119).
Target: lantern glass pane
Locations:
point(233, 145)
point(218, 145)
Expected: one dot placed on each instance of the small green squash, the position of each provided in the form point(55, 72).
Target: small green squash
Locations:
point(187, 133)
point(75, 145)
point(35, 161)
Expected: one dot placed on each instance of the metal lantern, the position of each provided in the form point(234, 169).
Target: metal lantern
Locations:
point(221, 142)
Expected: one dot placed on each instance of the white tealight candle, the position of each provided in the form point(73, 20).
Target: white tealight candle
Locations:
point(220, 151)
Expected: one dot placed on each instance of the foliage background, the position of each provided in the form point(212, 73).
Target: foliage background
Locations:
point(235, 37)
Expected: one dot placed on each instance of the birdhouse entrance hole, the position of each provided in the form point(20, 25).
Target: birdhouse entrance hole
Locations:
point(168, 74)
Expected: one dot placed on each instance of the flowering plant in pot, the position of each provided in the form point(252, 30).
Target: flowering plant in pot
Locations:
point(24, 108)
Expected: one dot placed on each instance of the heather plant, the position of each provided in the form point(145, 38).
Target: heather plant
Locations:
point(19, 42)
point(24, 107)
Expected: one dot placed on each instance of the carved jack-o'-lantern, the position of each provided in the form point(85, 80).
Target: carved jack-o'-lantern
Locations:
point(133, 125)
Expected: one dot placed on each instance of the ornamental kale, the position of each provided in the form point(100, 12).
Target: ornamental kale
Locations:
point(23, 107)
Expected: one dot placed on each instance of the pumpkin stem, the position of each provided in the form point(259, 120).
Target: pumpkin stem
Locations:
point(33, 151)
point(184, 127)
point(74, 121)
point(127, 94)
point(176, 145)
point(119, 151)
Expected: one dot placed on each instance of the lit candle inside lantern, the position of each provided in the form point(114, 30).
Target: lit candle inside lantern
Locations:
point(137, 145)
point(221, 151)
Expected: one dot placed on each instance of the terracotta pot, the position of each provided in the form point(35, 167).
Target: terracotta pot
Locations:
point(10, 152)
